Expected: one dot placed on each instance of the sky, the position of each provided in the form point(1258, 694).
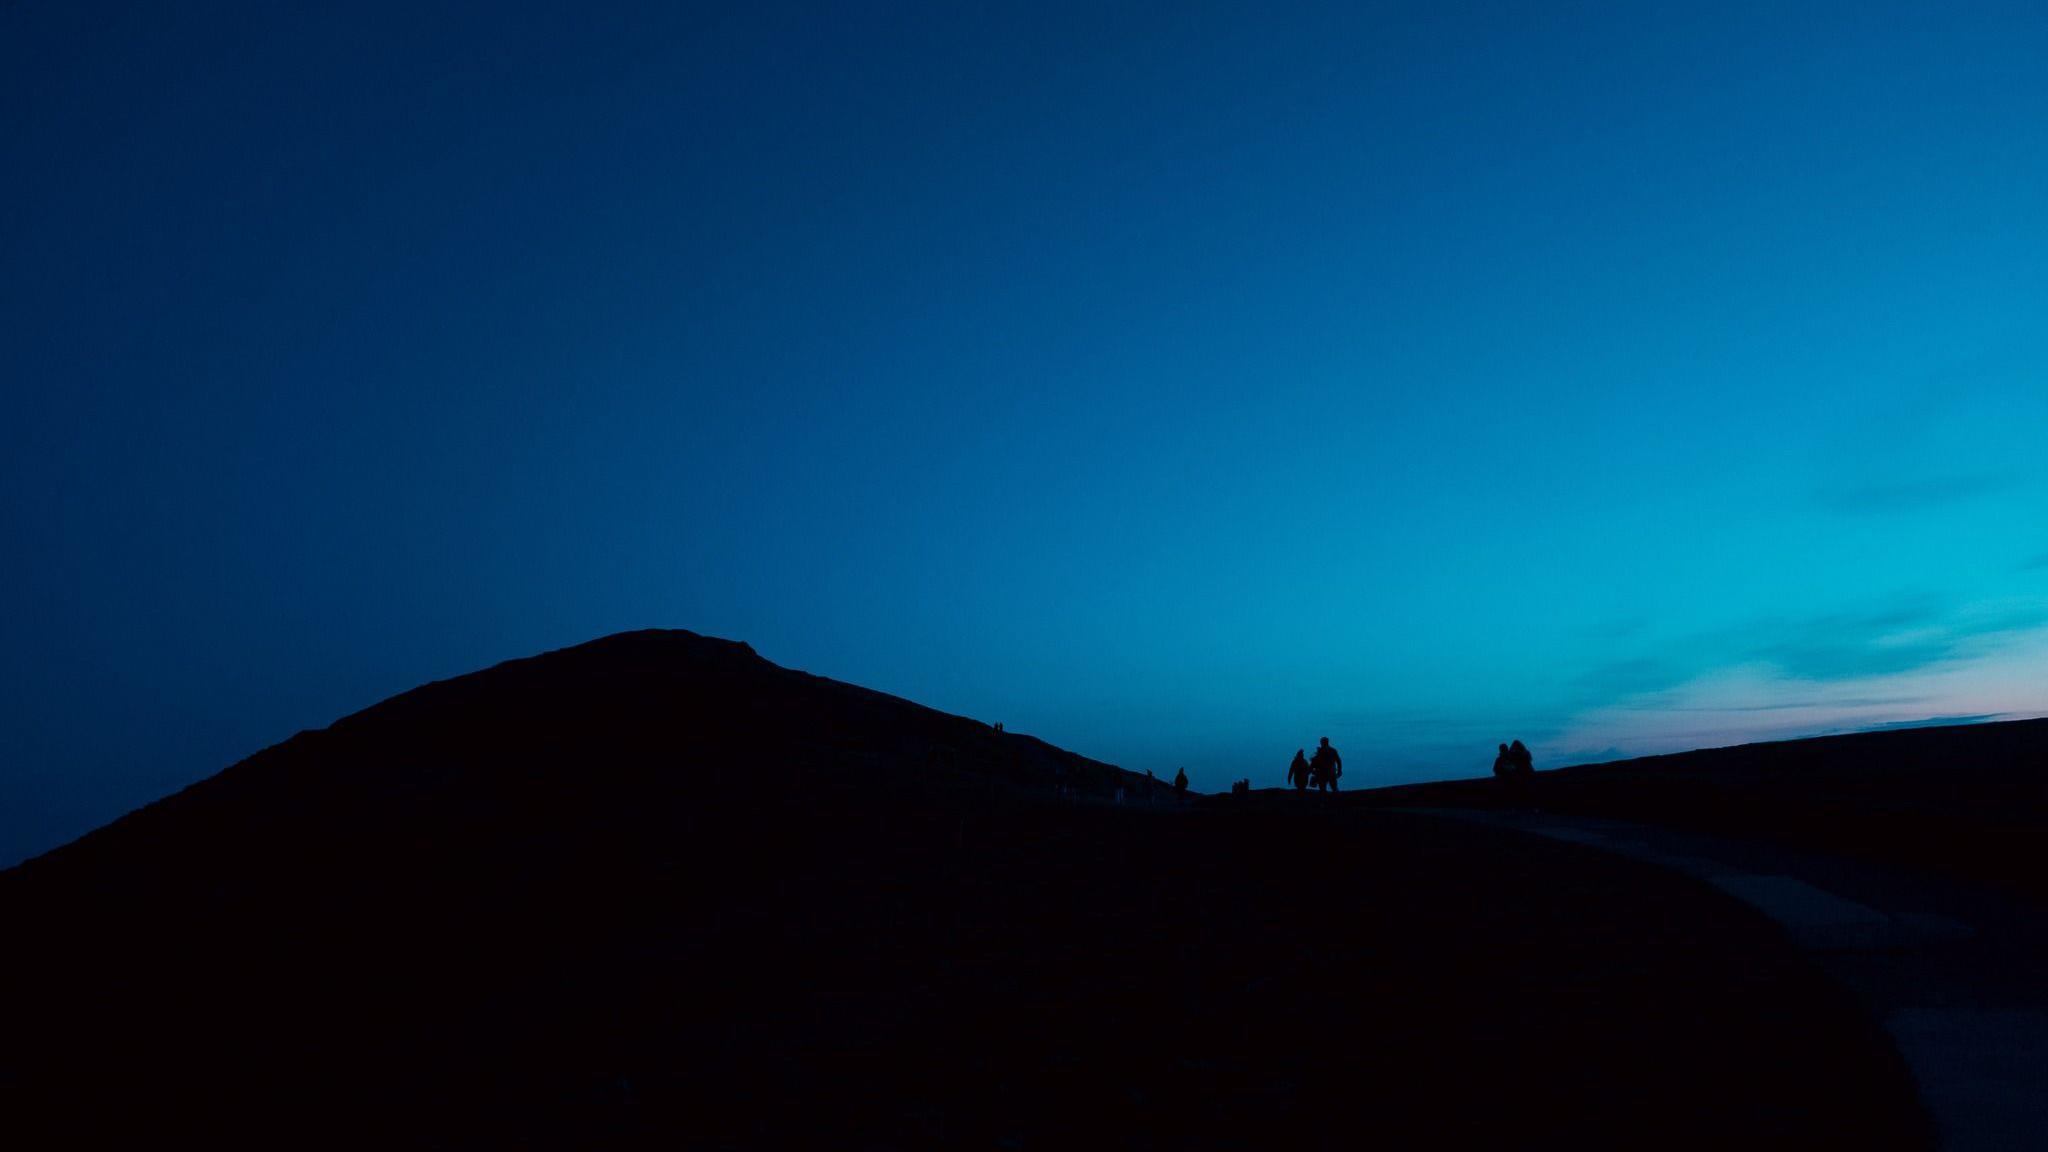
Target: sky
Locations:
point(1179, 384)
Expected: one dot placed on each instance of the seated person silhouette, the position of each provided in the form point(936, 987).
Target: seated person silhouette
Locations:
point(1514, 767)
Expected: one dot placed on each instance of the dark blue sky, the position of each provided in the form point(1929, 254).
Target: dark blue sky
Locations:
point(1176, 384)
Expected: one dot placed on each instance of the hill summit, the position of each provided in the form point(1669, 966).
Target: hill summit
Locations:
point(603, 731)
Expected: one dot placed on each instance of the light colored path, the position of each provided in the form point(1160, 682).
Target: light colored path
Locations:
point(1958, 976)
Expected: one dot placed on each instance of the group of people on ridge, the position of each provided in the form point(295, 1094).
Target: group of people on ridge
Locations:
point(1320, 772)
point(1514, 762)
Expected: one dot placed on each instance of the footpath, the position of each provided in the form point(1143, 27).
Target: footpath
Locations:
point(1957, 975)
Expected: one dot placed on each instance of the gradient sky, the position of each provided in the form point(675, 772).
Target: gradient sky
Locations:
point(1176, 384)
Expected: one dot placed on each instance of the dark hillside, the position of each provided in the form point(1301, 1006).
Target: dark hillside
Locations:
point(632, 718)
point(1968, 800)
point(655, 891)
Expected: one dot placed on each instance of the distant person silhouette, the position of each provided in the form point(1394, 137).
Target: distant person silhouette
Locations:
point(1297, 772)
point(1180, 781)
point(1514, 768)
point(1525, 764)
point(1326, 767)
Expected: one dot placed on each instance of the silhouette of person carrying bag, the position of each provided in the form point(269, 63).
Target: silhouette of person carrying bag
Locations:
point(1325, 768)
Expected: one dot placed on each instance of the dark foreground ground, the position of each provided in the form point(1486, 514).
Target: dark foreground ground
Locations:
point(656, 891)
point(1038, 978)
point(1911, 865)
point(1967, 802)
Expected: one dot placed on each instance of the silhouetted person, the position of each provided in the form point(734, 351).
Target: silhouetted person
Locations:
point(1180, 781)
point(1326, 767)
point(1514, 768)
point(1297, 772)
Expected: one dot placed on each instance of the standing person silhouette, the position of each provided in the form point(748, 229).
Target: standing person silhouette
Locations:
point(1180, 782)
point(1326, 766)
point(1297, 772)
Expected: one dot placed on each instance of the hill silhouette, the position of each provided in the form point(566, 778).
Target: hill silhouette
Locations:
point(635, 718)
point(655, 890)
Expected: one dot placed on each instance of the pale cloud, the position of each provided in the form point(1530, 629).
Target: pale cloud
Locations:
point(1872, 645)
point(1998, 675)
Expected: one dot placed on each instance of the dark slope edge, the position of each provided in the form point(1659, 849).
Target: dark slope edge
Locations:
point(655, 891)
point(1969, 801)
point(630, 718)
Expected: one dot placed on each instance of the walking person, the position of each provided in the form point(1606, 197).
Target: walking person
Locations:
point(1297, 772)
point(1326, 767)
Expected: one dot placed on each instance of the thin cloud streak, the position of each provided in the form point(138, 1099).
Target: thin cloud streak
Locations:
point(1916, 632)
point(1935, 722)
point(1742, 704)
point(1915, 495)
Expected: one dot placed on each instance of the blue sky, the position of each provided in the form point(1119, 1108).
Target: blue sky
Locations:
point(1177, 384)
